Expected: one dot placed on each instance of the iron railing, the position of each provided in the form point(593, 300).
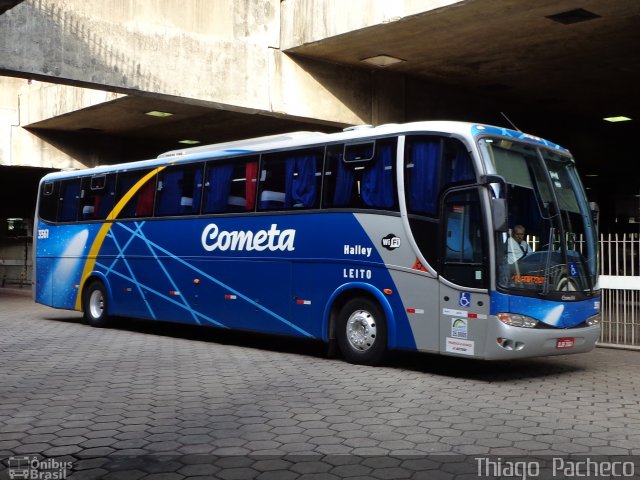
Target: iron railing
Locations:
point(620, 283)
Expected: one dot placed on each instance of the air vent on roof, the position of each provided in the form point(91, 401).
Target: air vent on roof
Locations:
point(573, 16)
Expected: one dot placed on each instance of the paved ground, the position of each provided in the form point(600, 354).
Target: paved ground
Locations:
point(145, 401)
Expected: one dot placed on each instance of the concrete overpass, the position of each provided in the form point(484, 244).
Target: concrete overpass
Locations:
point(80, 75)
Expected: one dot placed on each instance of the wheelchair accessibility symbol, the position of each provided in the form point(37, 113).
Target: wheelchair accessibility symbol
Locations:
point(465, 299)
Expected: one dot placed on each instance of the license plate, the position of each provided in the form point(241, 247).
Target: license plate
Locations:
point(565, 342)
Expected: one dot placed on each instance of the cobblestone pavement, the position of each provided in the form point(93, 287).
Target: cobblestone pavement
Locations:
point(152, 401)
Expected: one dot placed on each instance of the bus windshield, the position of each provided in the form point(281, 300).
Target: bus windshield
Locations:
point(551, 243)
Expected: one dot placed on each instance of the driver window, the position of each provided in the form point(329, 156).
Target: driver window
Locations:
point(463, 259)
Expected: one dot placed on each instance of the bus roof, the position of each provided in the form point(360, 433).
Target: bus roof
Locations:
point(255, 143)
point(305, 138)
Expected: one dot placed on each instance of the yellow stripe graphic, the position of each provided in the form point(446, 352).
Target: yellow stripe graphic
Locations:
point(104, 229)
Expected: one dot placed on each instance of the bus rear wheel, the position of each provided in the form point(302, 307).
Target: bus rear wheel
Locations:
point(362, 332)
point(94, 305)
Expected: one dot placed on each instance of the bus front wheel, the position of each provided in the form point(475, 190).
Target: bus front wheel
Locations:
point(362, 332)
point(95, 305)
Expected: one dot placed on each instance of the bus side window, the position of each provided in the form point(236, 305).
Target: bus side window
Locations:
point(432, 164)
point(141, 202)
point(96, 197)
point(291, 180)
point(144, 201)
point(230, 187)
point(217, 187)
point(463, 261)
point(457, 162)
point(49, 201)
point(338, 180)
point(366, 182)
point(422, 174)
point(179, 190)
point(69, 200)
point(303, 178)
point(104, 188)
point(272, 183)
point(88, 200)
point(378, 178)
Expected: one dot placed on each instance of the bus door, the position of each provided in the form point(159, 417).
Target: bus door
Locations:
point(463, 272)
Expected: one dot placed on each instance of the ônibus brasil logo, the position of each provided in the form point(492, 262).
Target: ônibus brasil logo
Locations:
point(273, 239)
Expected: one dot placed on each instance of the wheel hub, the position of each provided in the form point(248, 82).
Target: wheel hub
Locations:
point(96, 304)
point(361, 330)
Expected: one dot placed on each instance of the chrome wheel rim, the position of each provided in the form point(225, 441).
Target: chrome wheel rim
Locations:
point(96, 304)
point(361, 330)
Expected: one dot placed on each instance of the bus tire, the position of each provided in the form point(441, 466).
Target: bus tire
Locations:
point(95, 305)
point(362, 332)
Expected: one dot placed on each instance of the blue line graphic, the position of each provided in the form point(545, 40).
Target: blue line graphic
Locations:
point(173, 284)
point(165, 297)
point(133, 279)
point(136, 233)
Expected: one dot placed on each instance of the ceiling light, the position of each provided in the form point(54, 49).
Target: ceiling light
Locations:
point(155, 113)
point(382, 60)
point(620, 118)
point(189, 142)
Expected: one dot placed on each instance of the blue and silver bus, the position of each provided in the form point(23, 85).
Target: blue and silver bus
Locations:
point(373, 239)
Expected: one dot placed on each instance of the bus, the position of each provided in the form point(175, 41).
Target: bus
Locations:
point(370, 239)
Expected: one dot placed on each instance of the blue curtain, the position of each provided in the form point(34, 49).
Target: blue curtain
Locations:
point(219, 188)
point(104, 203)
point(69, 202)
point(376, 189)
point(169, 198)
point(423, 177)
point(461, 168)
point(197, 191)
point(300, 189)
point(344, 185)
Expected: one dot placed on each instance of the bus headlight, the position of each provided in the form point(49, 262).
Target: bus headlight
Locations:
point(594, 320)
point(517, 320)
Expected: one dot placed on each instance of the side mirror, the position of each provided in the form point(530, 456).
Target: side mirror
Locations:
point(498, 202)
point(499, 214)
point(489, 179)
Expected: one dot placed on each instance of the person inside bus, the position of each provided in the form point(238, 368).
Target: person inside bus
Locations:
point(517, 246)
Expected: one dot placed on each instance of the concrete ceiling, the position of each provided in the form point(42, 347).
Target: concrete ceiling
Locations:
point(125, 118)
point(507, 50)
point(512, 50)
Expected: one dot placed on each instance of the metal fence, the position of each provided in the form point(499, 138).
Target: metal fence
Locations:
point(620, 282)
